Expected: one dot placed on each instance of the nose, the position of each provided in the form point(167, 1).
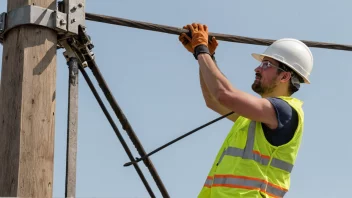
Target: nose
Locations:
point(257, 69)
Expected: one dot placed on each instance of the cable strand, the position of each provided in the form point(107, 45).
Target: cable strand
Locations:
point(126, 125)
point(223, 37)
point(177, 139)
point(117, 132)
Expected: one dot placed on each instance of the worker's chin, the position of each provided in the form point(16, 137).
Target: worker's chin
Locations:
point(257, 87)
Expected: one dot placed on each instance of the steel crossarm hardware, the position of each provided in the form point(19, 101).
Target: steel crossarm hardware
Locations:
point(65, 20)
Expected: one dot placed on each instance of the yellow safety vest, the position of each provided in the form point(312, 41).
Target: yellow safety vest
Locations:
point(247, 165)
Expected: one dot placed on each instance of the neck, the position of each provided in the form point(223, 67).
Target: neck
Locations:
point(275, 93)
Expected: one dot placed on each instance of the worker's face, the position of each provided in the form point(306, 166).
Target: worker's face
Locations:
point(266, 76)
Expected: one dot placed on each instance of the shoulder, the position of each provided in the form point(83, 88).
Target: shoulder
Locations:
point(284, 112)
point(287, 119)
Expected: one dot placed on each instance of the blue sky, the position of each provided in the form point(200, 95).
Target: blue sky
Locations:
point(156, 83)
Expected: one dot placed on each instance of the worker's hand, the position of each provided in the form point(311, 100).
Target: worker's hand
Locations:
point(199, 34)
point(186, 41)
point(212, 45)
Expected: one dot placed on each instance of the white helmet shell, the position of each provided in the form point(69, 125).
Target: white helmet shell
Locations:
point(292, 52)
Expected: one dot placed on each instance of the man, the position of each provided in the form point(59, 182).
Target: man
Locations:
point(257, 156)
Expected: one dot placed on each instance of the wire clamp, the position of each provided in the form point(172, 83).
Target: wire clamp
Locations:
point(65, 20)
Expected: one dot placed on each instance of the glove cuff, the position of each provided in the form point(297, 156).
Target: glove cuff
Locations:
point(200, 49)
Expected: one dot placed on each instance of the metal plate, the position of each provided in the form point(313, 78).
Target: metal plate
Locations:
point(75, 10)
point(35, 15)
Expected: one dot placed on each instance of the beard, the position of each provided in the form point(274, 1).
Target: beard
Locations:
point(261, 89)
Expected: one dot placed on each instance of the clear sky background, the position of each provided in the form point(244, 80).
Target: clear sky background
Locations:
point(156, 83)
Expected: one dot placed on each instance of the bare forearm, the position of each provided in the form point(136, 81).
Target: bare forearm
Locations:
point(209, 98)
point(212, 102)
point(215, 81)
point(206, 94)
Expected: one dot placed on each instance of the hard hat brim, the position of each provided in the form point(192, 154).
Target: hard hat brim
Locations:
point(260, 57)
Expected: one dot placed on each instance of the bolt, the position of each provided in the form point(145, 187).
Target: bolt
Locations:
point(62, 22)
point(80, 5)
point(73, 20)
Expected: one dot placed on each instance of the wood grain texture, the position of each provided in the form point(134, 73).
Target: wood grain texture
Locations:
point(27, 109)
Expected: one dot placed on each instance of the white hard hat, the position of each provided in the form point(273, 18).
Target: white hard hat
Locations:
point(293, 53)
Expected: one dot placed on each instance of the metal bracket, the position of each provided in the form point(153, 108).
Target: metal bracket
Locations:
point(79, 46)
point(68, 21)
point(75, 10)
point(64, 21)
point(33, 15)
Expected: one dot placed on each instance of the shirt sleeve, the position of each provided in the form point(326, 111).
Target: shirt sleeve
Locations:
point(287, 118)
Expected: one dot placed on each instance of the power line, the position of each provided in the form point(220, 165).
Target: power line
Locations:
point(223, 37)
point(219, 36)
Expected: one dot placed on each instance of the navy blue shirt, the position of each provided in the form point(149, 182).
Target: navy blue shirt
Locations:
point(287, 123)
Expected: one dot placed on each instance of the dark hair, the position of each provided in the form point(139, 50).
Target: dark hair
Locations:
point(292, 88)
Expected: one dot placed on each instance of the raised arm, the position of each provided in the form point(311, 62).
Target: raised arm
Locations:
point(212, 103)
point(210, 100)
point(244, 104)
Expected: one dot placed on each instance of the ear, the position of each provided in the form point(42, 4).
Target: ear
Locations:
point(286, 76)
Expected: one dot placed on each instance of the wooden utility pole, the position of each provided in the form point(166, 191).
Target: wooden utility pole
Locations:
point(27, 108)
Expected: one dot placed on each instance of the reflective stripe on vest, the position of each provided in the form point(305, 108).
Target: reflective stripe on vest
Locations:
point(243, 182)
point(250, 153)
point(233, 181)
point(208, 182)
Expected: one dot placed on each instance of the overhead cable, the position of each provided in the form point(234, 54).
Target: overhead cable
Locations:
point(223, 37)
